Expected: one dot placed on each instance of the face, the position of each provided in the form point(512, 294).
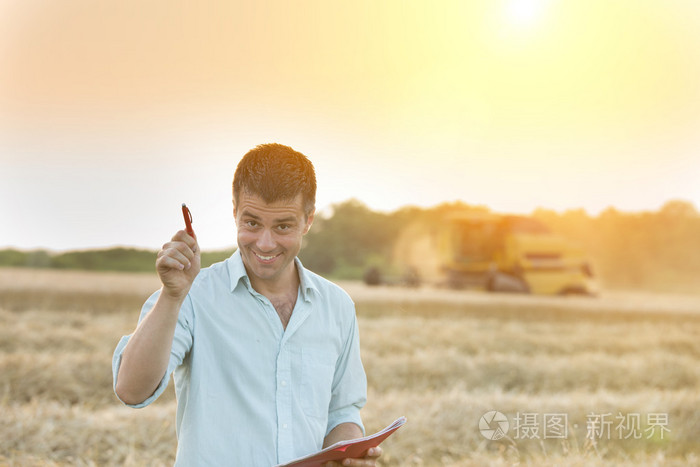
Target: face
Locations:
point(269, 238)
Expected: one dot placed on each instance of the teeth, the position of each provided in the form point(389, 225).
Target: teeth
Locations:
point(265, 258)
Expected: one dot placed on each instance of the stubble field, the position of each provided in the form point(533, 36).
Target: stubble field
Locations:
point(607, 381)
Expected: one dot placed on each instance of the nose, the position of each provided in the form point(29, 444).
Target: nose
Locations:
point(265, 241)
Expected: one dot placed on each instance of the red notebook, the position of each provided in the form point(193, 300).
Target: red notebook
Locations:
point(342, 449)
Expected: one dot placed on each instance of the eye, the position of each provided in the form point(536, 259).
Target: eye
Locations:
point(251, 223)
point(284, 227)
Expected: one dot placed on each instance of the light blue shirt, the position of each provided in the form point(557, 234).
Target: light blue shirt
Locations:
point(249, 392)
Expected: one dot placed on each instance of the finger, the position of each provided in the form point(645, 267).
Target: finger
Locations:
point(183, 236)
point(173, 260)
point(175, 248)
point(167, 262)
point(179, 253)
point(367, 461)
point(184, 248)
point(358, 463)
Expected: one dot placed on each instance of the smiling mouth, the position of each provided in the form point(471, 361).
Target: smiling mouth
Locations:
point(265, 258)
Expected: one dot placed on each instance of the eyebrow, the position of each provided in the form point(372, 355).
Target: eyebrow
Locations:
point(281, 220)
point(287, 220)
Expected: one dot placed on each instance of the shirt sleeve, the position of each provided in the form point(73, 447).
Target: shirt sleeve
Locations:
point(182, 342)
point(349, 390)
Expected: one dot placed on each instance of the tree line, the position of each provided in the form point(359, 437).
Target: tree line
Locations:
point(654, 250)
point(111, 259)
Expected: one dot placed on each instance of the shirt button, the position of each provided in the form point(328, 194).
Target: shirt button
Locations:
point(284, 383)
point(284, 426)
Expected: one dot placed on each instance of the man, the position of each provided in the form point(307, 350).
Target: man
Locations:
point(265, 353)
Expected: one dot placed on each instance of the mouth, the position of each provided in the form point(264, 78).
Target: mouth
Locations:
point(266, 258)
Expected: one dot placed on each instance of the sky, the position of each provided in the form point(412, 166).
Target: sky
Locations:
point(113, 113)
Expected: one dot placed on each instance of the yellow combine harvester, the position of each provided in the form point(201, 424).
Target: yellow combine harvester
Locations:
point(510, 254)
point(499, 253)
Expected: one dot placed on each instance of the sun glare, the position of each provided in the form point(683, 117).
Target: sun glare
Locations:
point(524, 12)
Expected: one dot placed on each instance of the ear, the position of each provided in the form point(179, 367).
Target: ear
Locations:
point(309, 221)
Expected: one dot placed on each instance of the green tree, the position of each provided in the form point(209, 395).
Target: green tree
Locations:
point(345, 243)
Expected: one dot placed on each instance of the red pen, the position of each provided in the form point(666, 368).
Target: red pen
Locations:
point(188, 220)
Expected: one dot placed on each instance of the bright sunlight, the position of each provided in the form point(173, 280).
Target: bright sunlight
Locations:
point(524, 12)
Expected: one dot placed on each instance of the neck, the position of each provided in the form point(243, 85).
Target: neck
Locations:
point(287, 283)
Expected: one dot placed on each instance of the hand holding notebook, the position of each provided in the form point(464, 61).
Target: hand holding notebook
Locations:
point(353, 448)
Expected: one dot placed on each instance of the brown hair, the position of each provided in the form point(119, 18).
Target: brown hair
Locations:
point(276, 172)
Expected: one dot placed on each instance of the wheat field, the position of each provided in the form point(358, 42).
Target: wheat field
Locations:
point(442, 358)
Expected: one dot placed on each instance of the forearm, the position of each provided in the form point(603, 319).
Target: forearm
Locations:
point(342, 432)
point(146, 356)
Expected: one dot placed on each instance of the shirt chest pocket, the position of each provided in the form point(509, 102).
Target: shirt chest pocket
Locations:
point(318, 369)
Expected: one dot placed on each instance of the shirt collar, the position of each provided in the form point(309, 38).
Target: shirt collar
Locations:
point(237, 273)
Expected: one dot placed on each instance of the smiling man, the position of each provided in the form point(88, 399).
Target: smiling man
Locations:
point(265, 354)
